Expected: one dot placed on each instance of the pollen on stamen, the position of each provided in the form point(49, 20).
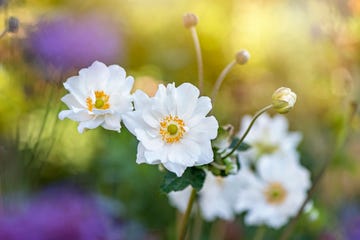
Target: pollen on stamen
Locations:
point(172, 129)
point(101, 101)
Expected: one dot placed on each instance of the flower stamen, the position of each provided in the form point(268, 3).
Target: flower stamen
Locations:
point(275, 193)
point(172, 129)
point(101, 101)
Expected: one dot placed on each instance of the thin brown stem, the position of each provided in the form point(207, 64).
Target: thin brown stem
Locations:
point(220, 80)
point(198, 58)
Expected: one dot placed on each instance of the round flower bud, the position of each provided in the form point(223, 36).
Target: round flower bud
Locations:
point(283, 100)
point(12, 24)
point(242, 57)
point(190, 20)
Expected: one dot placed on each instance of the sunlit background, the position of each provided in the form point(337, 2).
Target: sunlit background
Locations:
point(311, 46)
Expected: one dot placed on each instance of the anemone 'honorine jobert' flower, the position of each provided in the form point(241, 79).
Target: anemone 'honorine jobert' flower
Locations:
point(269, 136)
point(172, 127)
point(99, 96)
point(274, 194)
point(216, 199)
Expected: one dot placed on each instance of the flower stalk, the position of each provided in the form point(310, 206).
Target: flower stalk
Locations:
point(258, 114)
point(190, 21)
point(220, 79)
point(198, 58)
point(186, 217)
point(241, 58)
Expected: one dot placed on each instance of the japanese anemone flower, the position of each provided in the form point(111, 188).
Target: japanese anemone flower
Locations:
point(172, 127)
point(269, 137)
point(99, 96)
point(274, 194)
point(216, 199)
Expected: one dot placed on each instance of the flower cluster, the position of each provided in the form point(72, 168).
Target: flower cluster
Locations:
point(270, 186)
point(262, 177)
point(172, 127)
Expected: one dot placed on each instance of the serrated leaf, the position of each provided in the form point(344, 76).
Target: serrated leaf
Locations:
point(192, 176)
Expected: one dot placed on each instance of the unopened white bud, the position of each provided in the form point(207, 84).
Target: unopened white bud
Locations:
point(242, 57)
point(190, 20)
point(283, 100)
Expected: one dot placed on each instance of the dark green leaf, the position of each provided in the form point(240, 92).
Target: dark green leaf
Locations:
point(243, 146)
point(192, 176)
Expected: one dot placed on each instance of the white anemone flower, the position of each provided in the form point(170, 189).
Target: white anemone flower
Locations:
point(269, 137)
point(216, 199)
point(99, 96)
point(172, 127)
point(274, 194)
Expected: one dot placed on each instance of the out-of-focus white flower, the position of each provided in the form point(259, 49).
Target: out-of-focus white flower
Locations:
point(216, 199)
point(283, 100)
point(274, 194)
point(269, 137)
point(99, 96)
point(172, 127)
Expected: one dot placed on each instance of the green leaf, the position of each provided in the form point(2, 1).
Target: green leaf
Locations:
point(243, 146)
point(192, 176)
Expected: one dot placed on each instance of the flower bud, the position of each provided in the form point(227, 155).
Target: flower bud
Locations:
point(190, 20)
point(242, 57)
point(283, 100)
point(12, 24)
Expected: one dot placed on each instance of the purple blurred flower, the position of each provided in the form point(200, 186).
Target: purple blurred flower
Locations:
point(350, 219)
point(69, 42)
point(56, 216)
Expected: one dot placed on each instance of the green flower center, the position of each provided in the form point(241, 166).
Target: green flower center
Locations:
point(99, 103)
point(172, 129)
point(265, 148)
point(275, 193)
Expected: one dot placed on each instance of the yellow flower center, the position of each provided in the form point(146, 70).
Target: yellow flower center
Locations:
point(275, 193)
point(172, 129)
point(101, 101)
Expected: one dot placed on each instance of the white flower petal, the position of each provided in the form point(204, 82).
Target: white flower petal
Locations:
point(95, 77)
point(155, 157)
point(75, 116)
point(133, 120)
point(186, 97)
point(112, 122)
point(141, 100)
point(71, 101)
point(90, 124)
point(148, 141)
point(178, 169)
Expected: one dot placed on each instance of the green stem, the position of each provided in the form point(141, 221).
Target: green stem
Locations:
point(260, 233)
point(220, 79)
point(198, 58)
point(197, 226)
point(248, 129)
point(185, 219)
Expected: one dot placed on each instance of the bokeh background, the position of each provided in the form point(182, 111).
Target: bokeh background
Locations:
point(311, 46)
